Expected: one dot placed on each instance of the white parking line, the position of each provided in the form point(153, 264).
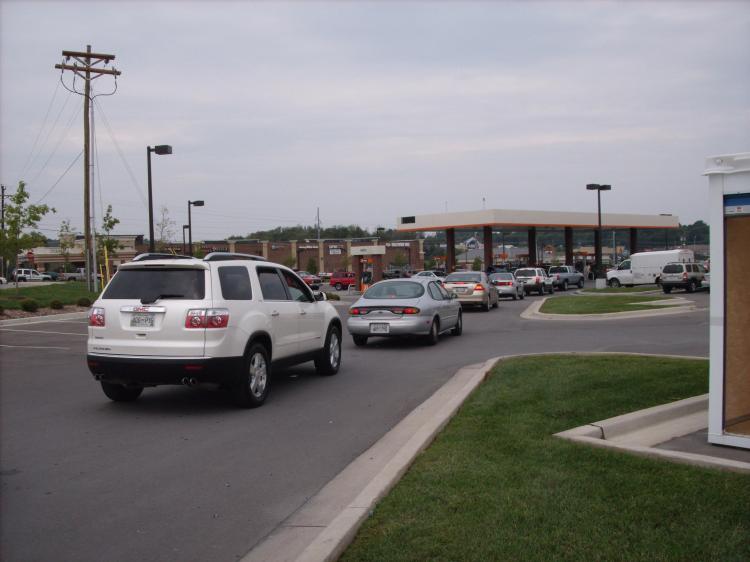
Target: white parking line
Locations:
point(35, 347)
point(43, 332)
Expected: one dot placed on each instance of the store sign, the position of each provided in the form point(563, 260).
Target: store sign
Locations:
point(334, 251)
point(368, 250)
point(735, 205)
point(399, 244)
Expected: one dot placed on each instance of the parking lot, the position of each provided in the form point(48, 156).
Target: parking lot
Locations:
point(183, 475)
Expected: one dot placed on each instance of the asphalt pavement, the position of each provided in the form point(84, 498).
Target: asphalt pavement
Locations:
point(183, 475)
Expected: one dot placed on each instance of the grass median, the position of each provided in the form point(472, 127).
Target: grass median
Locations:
point(67, 293)
point(620, 290)
point(496, 484)
point(600, 304)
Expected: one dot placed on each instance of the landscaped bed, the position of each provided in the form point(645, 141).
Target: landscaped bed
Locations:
point(619, 290)
point(67, 294)
point(600, 304)
point(496, 484)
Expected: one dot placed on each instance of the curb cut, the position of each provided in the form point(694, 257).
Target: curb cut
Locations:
point(532, 313)
point(40, 319)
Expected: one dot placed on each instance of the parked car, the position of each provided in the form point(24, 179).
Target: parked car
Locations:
point(681, 275)
point(564, 276)
point(343, 280)
point(507, 285)
point(645, 267)
point(24, 274)
point(3, 280)
point(220, 320)
point(472, 288)
point(404, 307)
point(312, 280)
point(429, 275)
point(54, 275)
point(535, 279)
point(79, 274)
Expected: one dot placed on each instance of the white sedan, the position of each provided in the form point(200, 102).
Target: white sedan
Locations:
point(430, 275)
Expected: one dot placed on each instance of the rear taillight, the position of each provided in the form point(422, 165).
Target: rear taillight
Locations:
point(479, 287)
point(357, 311)
point(404, 310)
point(684, 276)
point(537, 279)
point(207, 318)
point(96, 317)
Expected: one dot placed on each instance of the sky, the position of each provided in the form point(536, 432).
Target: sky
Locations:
point(371, 111)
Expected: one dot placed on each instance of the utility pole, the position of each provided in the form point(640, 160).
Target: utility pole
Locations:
point(84, 67)
point(2, 219)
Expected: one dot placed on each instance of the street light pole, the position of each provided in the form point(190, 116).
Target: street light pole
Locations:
point(160, 149)
point(184, 228)
point(190, 223)
point(599, 271)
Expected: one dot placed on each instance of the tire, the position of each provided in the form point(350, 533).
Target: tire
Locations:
point(328, 360)
point(486, 307)
point(515, 296)
point(458, 329)
point(614, 282)
point(119, 393)
point(526, 293)
point(666, 290)
point(542, 290)
point(434, 335)
point(338, 286)
point(580, 283)
point(522, 295)
point(359, 341)
point(565, 285)
point(251, 388)
point(497, 302)
point(691, 287)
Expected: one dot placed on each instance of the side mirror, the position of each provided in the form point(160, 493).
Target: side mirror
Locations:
point(320, 296)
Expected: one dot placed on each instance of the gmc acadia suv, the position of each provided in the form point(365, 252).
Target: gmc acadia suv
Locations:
point(225, 320)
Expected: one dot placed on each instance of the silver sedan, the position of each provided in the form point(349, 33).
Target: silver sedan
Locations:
point(404, 307)
point(507, 285)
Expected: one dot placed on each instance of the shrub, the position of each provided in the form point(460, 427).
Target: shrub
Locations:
point(56, 305)
point(83, 301)
point(332, 296)
point(29, 305)
point(2, 311)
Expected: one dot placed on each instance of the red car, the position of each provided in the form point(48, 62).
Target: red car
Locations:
point(312, 280)
point(342, 280)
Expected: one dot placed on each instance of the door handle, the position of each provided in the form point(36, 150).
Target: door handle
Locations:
point(302, 313)
point(275, 313)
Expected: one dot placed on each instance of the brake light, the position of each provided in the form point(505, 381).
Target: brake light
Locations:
point(207, 318)
point(537, 279)
point(684, 276)
point(96, 317)
point(358, 311)
point(404, 310)
point(479, 287)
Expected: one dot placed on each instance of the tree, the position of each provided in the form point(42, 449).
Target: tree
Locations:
point(20, 216)
point(477, 264)
point(107, 242)
point(312, 266)
point(165, 230)
point(400, 260)
point(67, 239)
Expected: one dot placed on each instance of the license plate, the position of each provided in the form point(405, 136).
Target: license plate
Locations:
point(459, 290)
point(380, 328)
point(142, 321)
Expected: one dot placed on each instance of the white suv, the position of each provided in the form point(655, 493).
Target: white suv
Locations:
point(225, 319)
point(30, 275)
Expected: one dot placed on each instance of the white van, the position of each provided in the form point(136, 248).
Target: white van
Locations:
point(645, 267)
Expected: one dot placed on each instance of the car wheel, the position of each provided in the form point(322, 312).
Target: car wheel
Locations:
point(565, 286)
point(328, 359)
point(486, 306)
point(252, 387)
point(667, 290)
point(458, 329)
point(359, 340)
point(522, 295)
point(691, 287)
point(338, 286)
point(515, 296)
point(580, 283)
point(434, 335)
point(542, 290)
point(120, 393)
point(497, 302)
point(614, 282)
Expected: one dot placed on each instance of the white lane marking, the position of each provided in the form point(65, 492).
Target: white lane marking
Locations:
point(35, 347)
point(43, 332)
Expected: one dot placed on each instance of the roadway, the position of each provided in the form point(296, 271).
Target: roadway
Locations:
point(182, 475)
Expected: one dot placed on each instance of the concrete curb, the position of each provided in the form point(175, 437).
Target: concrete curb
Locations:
point(639, 432)
point(39, 319)
point(532, 313)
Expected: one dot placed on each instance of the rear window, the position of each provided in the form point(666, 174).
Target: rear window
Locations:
point(673, 268)
point(507, 276)
point(395, 290)
point(466, 277)
point(557, 270)
point(153, 283)
point(235, 283)
point(525, 272)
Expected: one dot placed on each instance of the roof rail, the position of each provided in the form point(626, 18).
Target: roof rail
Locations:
point(160, 256)
point(228, 256)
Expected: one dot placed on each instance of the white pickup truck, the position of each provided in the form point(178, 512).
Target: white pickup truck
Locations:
point(564, 276)
point(78, 275)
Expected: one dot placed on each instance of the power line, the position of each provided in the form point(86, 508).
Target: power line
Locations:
point(41, 128)
point(57, 146)
point(54, 185)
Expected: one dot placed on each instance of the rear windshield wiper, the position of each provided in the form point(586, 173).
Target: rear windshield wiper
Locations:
point(149, 300)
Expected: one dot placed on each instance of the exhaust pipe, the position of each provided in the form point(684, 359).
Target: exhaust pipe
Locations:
point(192, 381)
point(185, 381)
